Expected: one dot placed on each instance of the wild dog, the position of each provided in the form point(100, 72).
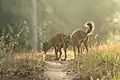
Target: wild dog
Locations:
point(58, 42)
point(79, 37)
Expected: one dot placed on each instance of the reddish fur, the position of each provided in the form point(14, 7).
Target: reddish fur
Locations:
point(57, 42)
point(79, 37)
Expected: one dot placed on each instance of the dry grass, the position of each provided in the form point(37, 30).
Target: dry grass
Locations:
point(102, 62)
point(106, 48)
point(70, 55)
point(103, 48)
point(29, 56)
point(26, 66)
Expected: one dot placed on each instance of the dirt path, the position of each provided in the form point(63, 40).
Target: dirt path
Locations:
point(56, 70)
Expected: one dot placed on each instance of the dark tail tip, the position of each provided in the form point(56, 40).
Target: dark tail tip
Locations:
point(90, 25)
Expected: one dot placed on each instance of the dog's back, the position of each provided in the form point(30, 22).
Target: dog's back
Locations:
point(78, 36)
point(58, 40)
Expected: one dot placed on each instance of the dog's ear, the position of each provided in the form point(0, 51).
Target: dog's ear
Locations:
point(46, 42)
point(68, 37)
point(43, 43)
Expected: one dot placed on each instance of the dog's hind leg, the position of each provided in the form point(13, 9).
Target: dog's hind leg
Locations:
point(78, 47)
point(85, 43)
point(74, 51)
point(59, 50)
point(56, 53)
point(65, 51)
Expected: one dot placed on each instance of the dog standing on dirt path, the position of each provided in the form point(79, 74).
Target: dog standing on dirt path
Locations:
point(79, 37)
point(58, 42)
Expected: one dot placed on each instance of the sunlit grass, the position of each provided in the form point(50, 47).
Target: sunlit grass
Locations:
point(106, 48)
point(29, 56)
point(97, 65)
point(104, 58)
point(70, 54)
point(25, 66)
point(102, 62)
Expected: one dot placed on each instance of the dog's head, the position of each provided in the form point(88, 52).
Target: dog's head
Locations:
point(46, 46)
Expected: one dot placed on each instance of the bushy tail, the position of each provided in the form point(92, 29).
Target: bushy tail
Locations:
point(91, 27)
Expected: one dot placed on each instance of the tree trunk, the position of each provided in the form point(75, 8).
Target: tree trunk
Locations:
point(32, 22)
point(0, 13)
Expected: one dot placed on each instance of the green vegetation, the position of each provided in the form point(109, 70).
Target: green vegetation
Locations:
point(15, 38)
point(51, 17)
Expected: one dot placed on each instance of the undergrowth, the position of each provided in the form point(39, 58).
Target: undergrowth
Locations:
point(97, 66)
point(12, 68)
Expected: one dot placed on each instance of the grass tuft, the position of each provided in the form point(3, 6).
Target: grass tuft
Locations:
point(21, 67)
point(98, 65)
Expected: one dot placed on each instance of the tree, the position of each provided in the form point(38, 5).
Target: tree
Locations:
point(21, 11)
point(33, 25)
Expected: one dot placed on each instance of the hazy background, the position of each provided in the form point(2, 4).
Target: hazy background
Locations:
point(53, 16)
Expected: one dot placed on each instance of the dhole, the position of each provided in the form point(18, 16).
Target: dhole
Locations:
point(79, 37)
point(58, 42)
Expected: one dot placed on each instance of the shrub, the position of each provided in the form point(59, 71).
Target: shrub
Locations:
point(12, 68)
point(93, 66)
